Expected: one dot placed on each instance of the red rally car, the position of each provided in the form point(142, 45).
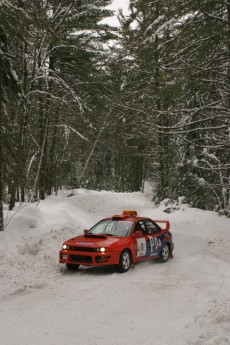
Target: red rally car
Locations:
point(120, 240)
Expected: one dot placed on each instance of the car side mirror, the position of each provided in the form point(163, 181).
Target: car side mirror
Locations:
point(137, 234)
point(85, 231)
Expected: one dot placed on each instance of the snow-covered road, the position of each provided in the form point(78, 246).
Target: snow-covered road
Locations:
point(183, 302)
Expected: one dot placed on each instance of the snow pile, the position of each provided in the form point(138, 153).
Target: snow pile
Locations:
point(183, 302)
point(25, 217)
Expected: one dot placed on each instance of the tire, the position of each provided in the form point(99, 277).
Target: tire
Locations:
point(72, 267)
point(124, 262)
point(164, 256)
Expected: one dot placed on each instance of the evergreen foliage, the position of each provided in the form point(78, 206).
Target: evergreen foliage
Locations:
point(83, 104)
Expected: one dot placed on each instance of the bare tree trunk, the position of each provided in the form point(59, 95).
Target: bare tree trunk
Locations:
point(41, 155)
point(94, 147)
point(12, 195)
point(43, 178)
point(23, 127)
point(228, 97)
point(1, 168)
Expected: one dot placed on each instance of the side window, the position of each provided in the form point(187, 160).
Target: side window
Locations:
point(151, 228)
point(140, 226)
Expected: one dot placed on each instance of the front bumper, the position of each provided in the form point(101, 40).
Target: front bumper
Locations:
point(86, 258)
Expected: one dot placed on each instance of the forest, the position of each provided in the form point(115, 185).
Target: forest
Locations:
point(87, 105)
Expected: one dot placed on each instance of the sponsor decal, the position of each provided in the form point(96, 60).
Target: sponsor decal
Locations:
point(155, 244)
point(148, 247)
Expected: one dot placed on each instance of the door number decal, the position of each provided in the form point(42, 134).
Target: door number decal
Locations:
point(141, 247)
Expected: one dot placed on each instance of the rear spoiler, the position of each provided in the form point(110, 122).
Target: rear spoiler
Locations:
point(165, 222)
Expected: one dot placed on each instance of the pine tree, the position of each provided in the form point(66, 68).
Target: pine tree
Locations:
point(203, 53)
point(9, 90)
point(58, 53)
point(149, 35)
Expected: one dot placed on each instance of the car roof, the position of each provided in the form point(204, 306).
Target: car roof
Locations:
point(129, 215)
point(125, 218)
point(133, 217)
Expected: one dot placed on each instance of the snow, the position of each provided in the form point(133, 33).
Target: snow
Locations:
point(183, 302)
point(116, 6)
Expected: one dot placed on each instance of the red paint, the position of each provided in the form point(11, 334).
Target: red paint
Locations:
point(143, 243)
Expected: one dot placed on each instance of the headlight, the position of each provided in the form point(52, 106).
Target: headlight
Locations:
point(102, 249)
point(65, 246)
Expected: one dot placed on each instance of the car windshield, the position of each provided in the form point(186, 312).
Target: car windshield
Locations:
point(112, 228)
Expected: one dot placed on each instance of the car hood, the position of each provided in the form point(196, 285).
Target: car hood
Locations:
point(94, 240)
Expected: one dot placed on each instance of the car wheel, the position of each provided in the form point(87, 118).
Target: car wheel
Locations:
point(164, 256)
point(72, 267)
point(124, 262)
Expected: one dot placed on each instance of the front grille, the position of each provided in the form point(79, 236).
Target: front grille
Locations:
point(81, 258)
point(98, 259)
point(83, 249)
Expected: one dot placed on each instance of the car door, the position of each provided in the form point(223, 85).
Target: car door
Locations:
point(139, 243)
point(154, 238)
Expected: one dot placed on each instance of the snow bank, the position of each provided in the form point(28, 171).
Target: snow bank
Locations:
point(25, 217)
point(185, 301)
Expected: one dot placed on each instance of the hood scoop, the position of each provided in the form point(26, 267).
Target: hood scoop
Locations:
point(95, 236)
